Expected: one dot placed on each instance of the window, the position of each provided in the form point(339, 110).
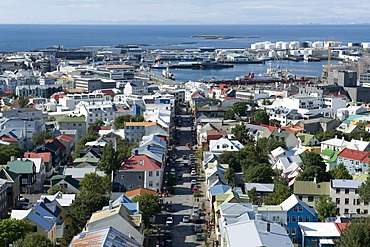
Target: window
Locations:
point(300, 219)
point(294, 219)
point(157, 173)
point(218, 146)
point(310, 199)
point(287, 230)
point(150, 183)
point(150, 173)
point(300, 209)
point(356, 191)
point(24, 181)
point(293, 231)
point(346, 191)
point(366, 211)
point(307, 219)
point(346, 210)
point(295, 209)
point(346, 201)
point(337, 200)
point(337, 190)
point(287, 219)
point(358, 211)
point(358, 202)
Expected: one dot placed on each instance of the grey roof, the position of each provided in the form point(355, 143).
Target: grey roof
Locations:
point(292, 201)
point(345, 183)
point(254, 233)
point(260, 187)
point(129, 180)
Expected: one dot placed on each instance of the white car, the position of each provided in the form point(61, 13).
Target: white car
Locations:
point(195, 210)
point(186, 219)
point(193, 172)
point(169, 221)
point(193, 182)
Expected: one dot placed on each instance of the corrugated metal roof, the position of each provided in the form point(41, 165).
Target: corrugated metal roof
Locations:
point(311, 188)
point(345, 183)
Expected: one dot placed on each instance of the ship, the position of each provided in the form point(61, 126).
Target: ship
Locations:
point(202, 65)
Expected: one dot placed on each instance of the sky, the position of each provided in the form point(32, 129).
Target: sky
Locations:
point(184, 12)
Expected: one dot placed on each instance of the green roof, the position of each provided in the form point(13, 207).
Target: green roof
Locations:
point(20, 166)
point(68, 178)
point(327, 152)
point(72, 120)
point(362, 177)
point(311, 188)
point(334, 157)
point(305, 138)
point(86, 160)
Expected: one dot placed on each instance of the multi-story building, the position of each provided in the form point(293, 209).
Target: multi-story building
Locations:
point(23, 113)
point(3, 198)
point(73, 123)
point(134, 131)
point(137, 87)
point(71, 100)
point(88, 84)
point(344, 193)
point(27, 170)
point(356, 162)
point(115, 72)
point(44, 91)
point(13, 187)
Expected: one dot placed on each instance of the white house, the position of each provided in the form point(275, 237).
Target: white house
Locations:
point(334, 144)
point(223, 144)
point(138, 87)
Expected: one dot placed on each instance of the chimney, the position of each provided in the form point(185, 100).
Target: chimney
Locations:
point(110, 204)
point(336, 136)
point(268, 227)
point(136, 152)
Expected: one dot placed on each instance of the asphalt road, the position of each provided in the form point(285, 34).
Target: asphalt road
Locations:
point(182, 199)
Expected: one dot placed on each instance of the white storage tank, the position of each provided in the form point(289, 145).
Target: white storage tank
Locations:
point(285, 45)
point(317, 44)
point(281, 54)
point(294, 45)
point(365, 45)
point(272, 54)
point(270, 46)
point(294, 52)
point(279, 45)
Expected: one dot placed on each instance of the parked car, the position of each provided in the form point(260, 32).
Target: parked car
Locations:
point(169, 221)
point(195, 209)
point(184, 157)
point(194, 190)
point(187, 144)
point(179, 177)
point(174, 156)
point(193, 173)
point(186, 219)
point(193, 182)
point(197, 228)
point(169, 207)
point(199, 237)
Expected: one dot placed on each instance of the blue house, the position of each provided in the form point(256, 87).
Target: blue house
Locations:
point(297, 211)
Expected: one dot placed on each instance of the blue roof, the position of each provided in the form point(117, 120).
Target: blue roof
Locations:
point(219, 189)
point(42, 217)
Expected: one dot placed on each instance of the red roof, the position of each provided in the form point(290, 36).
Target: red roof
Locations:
point(270, 127)
point(354, 155)
point(229, 98)
point(341, 226)
point(108, 92)
point(57, 96)
point(216, 133)
point(65, 137)
point(139, 163)
point(9, 139)
point(45, 156)
point(293, 129)
point(195, 94)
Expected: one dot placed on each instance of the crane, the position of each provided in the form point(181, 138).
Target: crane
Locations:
point(329, 54)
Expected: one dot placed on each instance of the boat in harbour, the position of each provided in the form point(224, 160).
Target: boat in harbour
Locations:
point(201, 65)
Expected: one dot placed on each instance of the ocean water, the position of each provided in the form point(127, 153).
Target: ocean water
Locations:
point(31, 37)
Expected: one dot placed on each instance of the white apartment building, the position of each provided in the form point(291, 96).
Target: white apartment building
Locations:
point(71, 100)
point(223, 144)
point(345, 194)
point(138, 87)
point(101, 111)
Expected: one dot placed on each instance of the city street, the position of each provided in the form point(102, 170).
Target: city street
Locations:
point(182, 200)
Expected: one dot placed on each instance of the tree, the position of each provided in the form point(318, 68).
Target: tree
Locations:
point(313, 168)
point(340, 172)
point(23, 102)
point(264, 146)
point(119, 122)
point(124, 149)
point(261, 117)
point(12, 230)
point(259, 173)
point(239, 108)
point(356, 234)
point(329, 134)
point(229, 176)
point(229, 114)
point(148, 205)
point(241, 134)
point(274, 122)
point(39, 137)
point(108, 161)
point(358, 135)
point(281, 192)
point(7, 151)
point(364, 190)
point(57, 188)
point(326, 208)
point(37, 239)
point(253, 196)
point(90, 136)
point(98, 123)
